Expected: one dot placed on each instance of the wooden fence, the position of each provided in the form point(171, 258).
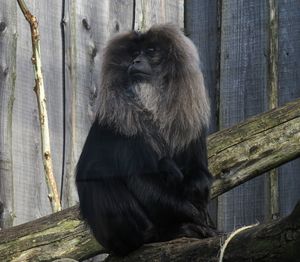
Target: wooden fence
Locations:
point(239, 56)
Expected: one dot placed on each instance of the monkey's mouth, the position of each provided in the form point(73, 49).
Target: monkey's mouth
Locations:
point(139, 76)
point(138, 72)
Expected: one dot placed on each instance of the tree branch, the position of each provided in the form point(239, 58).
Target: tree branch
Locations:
point(253, 147)
point(269, 140)
point(61, 234)
point(275, 241)
point(41, 100)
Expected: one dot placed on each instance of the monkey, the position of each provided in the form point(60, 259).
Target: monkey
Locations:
point(143, 172)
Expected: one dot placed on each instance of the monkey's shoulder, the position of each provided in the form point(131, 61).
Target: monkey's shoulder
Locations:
point(105, 136)
point(126, 154)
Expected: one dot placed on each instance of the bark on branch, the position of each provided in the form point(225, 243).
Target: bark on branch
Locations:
point(61, 234)
point(257, 145)
point(253, 147)
point(275, 241)
point(42, 108)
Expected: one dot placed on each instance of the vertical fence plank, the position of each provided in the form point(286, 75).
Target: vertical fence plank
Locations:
point(88, 27)
point(201, 25)
point(30, 191)
point(8, 43)
point(273, 211)
point(242, 94)
point(149, 12)
point(289, 89)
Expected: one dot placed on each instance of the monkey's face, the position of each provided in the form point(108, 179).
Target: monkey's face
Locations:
point(148, 55)
point(136, 58)
point(145, 59)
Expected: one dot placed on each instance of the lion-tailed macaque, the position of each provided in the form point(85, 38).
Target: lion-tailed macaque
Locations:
point(142, 176)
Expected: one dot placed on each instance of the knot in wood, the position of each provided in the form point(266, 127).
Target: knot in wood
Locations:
point(85, 24)
point(47, 155)
point(1, 208)
point(117, 26)
point(2, 27)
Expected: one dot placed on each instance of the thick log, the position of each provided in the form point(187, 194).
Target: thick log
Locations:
point(236, 155)
point(61, 234)
point(253, 147)
point(275, 241)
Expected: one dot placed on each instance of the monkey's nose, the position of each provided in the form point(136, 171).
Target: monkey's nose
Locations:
point(137, 60)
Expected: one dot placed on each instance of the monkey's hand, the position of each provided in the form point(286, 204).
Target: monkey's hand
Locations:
point(197, 188)
point(170, 173)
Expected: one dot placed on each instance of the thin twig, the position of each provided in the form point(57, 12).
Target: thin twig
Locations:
point(41, 99)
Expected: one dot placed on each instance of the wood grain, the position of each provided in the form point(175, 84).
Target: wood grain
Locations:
point(243, 82)
point(8, 43)
point(149, 12)
point(289, 79)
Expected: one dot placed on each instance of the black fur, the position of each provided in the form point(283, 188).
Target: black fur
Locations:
point(130, 197)
point(131, 194)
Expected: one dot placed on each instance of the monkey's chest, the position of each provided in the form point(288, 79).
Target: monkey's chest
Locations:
point(137, 156)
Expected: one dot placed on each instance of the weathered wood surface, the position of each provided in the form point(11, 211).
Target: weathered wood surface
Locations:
point(243, 81)
point(254, 146)
point(289, 79)
point(272, 88)
point(8, 43)
point(272, 242)
point(64, 235)
point(149, 12)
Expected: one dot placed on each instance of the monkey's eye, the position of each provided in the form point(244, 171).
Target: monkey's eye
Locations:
point(135, 53)
point(150, 50)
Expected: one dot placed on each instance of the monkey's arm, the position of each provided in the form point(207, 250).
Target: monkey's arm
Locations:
point(113, 214)
point(197, 178)
point(110, 209)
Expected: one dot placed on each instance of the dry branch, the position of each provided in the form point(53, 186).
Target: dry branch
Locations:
point(41, 100)
point(64, 235)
